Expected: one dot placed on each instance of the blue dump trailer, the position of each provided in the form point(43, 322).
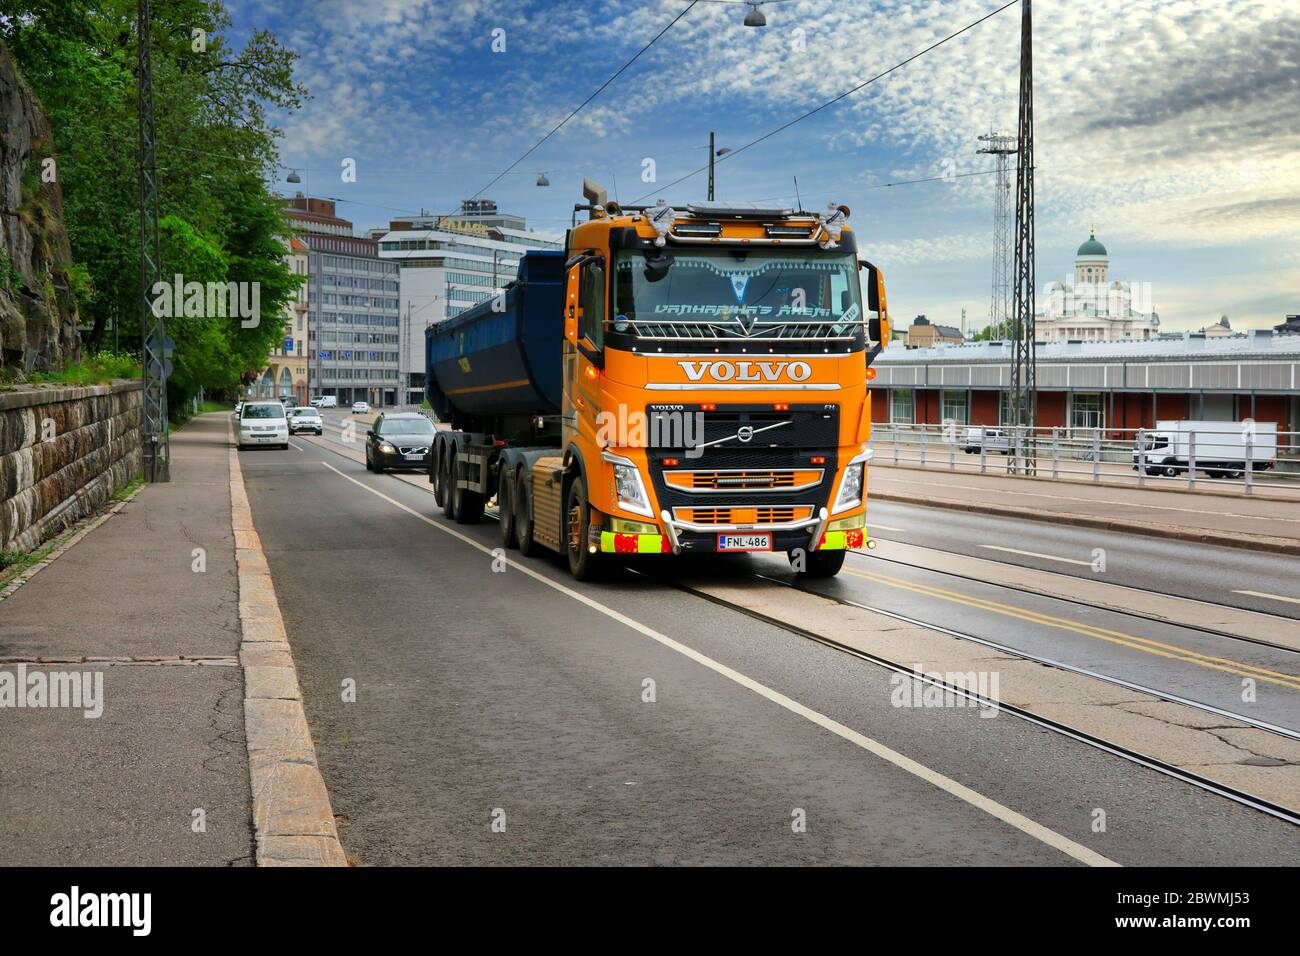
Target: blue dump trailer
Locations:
point(497, 366)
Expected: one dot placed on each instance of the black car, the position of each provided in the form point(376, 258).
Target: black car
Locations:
point(399, 440)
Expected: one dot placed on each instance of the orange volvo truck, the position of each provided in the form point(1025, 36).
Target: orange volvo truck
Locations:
point(676, 381)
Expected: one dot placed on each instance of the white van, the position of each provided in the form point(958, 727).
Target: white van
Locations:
point(326, 401)
point(263, 423)
point(990, 439)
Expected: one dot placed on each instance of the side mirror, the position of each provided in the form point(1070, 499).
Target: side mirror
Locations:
point(873, 329)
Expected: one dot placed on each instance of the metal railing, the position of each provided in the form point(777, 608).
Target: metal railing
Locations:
point(1243, 457)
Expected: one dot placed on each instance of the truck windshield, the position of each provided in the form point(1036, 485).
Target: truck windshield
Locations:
point(749, 294)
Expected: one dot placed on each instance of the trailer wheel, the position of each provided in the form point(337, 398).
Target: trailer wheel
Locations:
point(583, 565)
point(467, 505)
point(524, 517)
point(506, 508)
point(435, 478)
point(448, 482)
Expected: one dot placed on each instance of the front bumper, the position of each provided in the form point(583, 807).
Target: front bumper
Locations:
point(398, 460)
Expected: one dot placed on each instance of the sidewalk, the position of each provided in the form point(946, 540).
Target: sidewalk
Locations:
point(1243, 522)
point(123, 788)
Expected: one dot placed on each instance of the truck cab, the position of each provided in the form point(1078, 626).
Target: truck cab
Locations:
point(713, 395)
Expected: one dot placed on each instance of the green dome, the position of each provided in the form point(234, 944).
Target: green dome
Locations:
point(1092, 247)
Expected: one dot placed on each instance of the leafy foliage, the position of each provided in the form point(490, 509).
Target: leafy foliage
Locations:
point(216, 153)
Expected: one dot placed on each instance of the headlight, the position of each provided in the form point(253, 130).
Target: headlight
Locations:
point(624, 526)
point(855, 523)
point(628, 487)
point(850, 495)
point(386, 448)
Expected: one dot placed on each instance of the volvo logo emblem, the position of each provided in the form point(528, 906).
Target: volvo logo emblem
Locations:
point(746, 432)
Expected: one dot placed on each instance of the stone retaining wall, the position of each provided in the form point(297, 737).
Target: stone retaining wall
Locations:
point(63, 452)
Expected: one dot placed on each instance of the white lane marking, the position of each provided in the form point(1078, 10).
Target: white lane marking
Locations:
point(872, 526)
point(1091, 501)
point(1271, 597)
point(296, 447)
point(1037, 554)
point(952, 787)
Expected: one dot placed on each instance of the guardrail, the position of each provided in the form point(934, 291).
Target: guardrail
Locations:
point(1239, 455)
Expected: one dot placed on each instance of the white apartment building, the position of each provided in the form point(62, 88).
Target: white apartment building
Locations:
point(447, 264)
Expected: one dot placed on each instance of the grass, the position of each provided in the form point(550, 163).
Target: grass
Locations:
point(91, 370)
point(127, 489)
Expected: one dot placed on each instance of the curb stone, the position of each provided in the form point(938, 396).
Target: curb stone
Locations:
point(293, 822)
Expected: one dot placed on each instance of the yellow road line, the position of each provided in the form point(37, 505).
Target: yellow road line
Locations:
point(1148, 645)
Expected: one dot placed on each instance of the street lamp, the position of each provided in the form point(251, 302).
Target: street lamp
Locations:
point(542, 180)
point(713, 153)
point(755, 18)
point(293, 177)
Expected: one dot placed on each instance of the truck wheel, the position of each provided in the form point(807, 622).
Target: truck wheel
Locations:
point(435, 478)
point(822, 564)
point(467, 506)
point(583, 565)
point(448, 483)
point(506, 508)
point(524, 517)
point(1171, 472)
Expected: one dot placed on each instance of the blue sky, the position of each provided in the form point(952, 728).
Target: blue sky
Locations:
point(1173, 126)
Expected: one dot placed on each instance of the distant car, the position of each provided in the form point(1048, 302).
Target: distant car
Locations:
point(399, 440)
point(304, 419)
point(263, 423)
point(990, 439)
point(360, 408)
point(316, 402)
point(329, 401)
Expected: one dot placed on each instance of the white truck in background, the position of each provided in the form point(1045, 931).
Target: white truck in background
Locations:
point(1220, 449)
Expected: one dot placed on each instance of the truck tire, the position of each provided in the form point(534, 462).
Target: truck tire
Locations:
point(822, 564)
point(524, 517)
point(583, 565)
point(447, 482)
point(1171, 471)
point(435, 477)
point(467, 506)
point(506, 508)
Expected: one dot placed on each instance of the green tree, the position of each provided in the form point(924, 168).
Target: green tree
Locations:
point(216, 154)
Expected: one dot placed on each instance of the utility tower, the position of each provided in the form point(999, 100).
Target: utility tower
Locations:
point(1023, 368)
point(156, 349)
point(1001, 147)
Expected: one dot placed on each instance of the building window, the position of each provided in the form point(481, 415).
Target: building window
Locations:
point(1087, 411)
point(955, 407)
point(902, 406)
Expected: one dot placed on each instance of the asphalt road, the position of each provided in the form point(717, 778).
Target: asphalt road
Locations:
point(1187, 569)
point(516, 697)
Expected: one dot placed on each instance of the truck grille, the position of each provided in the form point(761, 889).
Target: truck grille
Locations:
point(764, 514)
point(784, 479)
